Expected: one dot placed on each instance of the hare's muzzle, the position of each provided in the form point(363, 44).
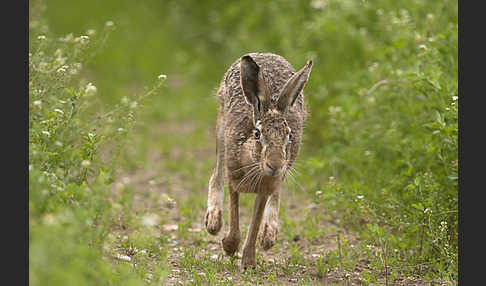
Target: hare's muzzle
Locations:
point(273, 168)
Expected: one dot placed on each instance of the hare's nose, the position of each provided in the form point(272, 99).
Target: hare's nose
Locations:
point(272, 169)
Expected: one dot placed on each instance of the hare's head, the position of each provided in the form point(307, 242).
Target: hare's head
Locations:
point(272, 136)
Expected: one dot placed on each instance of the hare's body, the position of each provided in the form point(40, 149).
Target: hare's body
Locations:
point(259, 131)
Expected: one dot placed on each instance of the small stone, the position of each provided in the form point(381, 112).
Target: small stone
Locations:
point(170, 227)
point(123, 257)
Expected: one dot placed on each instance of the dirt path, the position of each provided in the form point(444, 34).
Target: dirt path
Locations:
point(307, 234)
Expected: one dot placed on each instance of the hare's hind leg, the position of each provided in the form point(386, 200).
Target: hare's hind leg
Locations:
point(214, 215)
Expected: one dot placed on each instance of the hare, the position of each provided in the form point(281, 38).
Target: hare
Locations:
point(259, 132)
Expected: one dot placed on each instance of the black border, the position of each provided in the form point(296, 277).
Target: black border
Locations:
point(470, 143)
point(15, 141)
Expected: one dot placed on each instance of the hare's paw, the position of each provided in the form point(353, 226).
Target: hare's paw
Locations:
point(213, 220)
point(248, 259)
point(268, 235)
point(230, 244)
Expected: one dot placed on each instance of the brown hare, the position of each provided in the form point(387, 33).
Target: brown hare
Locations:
point(259, 131)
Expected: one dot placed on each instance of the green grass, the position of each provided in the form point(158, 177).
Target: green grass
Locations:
point(379, 157)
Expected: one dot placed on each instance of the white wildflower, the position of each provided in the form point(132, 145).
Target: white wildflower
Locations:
point(86, 163)
point(423, 47)
point(318, 193)
point(63, 69)
point(59, 111)
point(124, 100)
point(90, 89)
point(443, 226)
point(109, 24)
point(83, 39)
point(162, 76)
point(58, 143)
point(37, 103)
point(46, 133)
point(91, 135)
point(359, 197)
point(90, 32)
point(454, 98)
point(41, 37)
point(121, 129)
point(317, 4)
point(134, 104)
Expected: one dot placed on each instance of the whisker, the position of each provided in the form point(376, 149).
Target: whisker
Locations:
point(243, 179)
point(293, 166)
point(291, 176)
point(260, 179)
point(254, 181)
point(257, 181)
point(249, 174)
point(247, 166)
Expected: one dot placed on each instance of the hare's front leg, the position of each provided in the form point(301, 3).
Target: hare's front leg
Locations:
point(249, 249)
point(269, 229)
point(232, 239)
point(214, 215)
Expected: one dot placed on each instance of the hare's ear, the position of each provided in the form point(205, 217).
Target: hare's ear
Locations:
point(293, 88)
point(253, 85)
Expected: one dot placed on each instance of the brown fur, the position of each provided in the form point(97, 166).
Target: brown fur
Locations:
point(259, 91)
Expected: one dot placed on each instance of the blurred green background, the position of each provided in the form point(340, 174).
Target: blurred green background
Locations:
point(195, 42)
point(382, 97)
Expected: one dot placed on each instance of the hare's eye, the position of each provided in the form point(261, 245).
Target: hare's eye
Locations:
point(290, 135)
point(257, 134)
